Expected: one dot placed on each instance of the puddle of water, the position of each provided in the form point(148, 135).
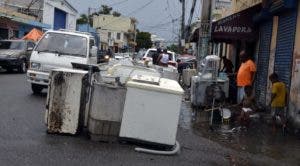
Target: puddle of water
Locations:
point(257, 139)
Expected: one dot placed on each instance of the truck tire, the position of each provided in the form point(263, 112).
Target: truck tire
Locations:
point(36, 89)
point(22, 68)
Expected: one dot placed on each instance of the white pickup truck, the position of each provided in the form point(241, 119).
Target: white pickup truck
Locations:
point(58, 49)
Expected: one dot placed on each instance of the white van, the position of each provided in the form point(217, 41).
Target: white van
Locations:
point(58, 49)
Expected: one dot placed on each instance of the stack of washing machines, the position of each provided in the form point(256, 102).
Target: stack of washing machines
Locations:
point(146, 109)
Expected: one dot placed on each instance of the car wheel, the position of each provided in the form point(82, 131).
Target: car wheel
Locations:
point(22, 68)
point(36, 89)
point(9, 70)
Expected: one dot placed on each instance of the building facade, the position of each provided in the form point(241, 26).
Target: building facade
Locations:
point(117, 33)
point(18, 17)
point(59, 14)
point(275, 49)
point(239, 5)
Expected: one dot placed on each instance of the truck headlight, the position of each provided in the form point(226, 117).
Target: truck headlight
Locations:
point(106, 57)
point(34, 65)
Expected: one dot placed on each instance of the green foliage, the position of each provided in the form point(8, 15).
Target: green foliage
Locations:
point(174, 48)
point(116, 14)
point(143, 40)
point(105, 10)
point(83, 19)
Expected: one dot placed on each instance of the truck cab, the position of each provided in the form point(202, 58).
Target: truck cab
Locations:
point(58, 49)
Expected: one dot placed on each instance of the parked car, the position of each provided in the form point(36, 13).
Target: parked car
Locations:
point(103, 56)
point(15, 54)
point(58, 49)
point(151, 51)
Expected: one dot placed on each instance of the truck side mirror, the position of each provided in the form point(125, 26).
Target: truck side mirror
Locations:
point(93, 51)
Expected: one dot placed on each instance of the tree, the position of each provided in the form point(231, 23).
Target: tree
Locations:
point(174, 48)
point(143, 40)
point(83, 19)
point(105, 10)
point(116, 14)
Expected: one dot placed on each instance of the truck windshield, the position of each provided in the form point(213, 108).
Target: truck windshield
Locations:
point(63, 44)
point(13, 45)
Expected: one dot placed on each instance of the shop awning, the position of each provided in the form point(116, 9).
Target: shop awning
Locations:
point(34, 35)
point(238, 26)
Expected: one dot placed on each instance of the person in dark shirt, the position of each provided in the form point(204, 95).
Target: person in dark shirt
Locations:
point(228, 66)
point(155, 56)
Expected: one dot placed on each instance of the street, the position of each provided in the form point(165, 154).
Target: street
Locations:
point(24, 141)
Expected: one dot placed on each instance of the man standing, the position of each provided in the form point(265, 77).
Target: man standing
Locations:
point(245, 75)
point(155, 56)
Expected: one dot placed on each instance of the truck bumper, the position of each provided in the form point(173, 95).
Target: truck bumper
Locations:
point(38, 77)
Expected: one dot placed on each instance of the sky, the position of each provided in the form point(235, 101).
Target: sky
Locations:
point(159, 17)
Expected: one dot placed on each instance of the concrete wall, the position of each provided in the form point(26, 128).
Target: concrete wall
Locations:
point(120, 24)
point(239, 5)
point(294, 104)
point(48, 15)
point(109, 24)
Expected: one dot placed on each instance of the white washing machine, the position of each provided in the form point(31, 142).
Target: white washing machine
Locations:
point(66, 101)
point(151, 110)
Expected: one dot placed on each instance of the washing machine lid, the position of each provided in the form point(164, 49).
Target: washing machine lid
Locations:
point(155, 84)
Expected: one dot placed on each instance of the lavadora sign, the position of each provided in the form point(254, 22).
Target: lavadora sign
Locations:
point(239, 26)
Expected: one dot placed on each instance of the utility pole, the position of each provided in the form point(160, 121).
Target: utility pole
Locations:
point(204, 29)
point(88, 16)
point(182, 36)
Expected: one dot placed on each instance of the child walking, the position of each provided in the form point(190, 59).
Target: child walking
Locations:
point(278, 101)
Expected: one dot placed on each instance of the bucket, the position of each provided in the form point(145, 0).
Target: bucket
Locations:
point(226, 114)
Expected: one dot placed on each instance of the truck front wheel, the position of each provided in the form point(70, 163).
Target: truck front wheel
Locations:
point(36, 89)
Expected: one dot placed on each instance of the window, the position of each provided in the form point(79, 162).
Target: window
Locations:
point(118, 36)
point(63, 44)
point(109, 35)
point(92, 43)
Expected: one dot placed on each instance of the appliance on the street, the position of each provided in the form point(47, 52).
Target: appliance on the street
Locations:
point(169, 72)
point(66, 100)
point(151, 111)
point(125, 72)
point(207, 86)
point(106, 111)
point(187, 75)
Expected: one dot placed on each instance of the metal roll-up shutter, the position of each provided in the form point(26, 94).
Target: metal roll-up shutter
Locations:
point(60, 18)
point(285, 45)
point(263, 61)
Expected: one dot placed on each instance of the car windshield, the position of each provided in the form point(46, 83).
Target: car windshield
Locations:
point(63, 44)
point(13, 45)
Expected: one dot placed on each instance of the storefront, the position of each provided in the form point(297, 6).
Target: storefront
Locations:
point(239, 31)
point(12, 27)
point(233, 34)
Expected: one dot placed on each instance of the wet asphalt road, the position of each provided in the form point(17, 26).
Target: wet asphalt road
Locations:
point(23, 139)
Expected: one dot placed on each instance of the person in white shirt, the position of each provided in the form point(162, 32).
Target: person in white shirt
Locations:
point(163, 59)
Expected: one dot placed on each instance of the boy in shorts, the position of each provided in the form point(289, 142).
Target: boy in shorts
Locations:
point(278, 100)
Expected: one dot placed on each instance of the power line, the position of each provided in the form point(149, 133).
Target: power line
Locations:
point(118, 3)
point(135, 11)
point(164, 24)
